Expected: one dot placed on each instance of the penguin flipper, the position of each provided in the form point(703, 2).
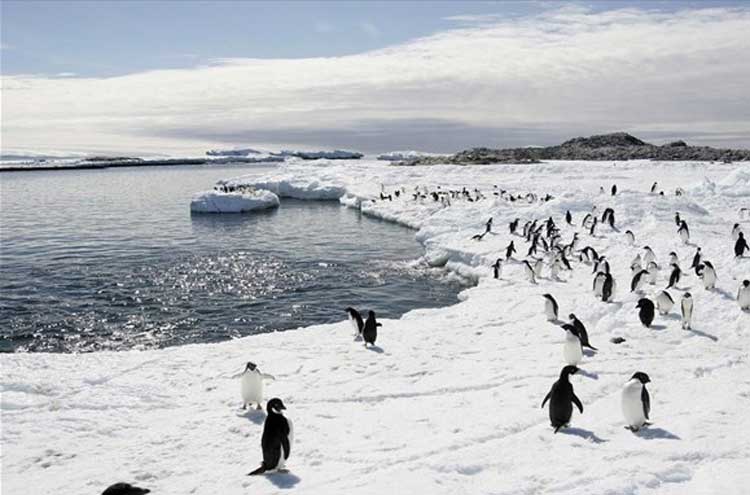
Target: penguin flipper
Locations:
point(577, 402)
point(260, 470)
point(546, 398)
point(646, 399)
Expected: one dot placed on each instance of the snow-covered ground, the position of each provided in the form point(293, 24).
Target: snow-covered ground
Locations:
point(233, 202)
point(449, 400)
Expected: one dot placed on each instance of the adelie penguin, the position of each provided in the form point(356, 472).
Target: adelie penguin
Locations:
point(636, 403)
point(664, 302)
point(708, 275)
point(277, 439)
point(608, 288)
point(630, 237)
point(743, 295)
point(696, 260)
point(125, 489)
point(741, 245)
point(497, 268)
point(674, 277)
point(551, 308)
point(370, 331)
point(686, 307)
point(568, 217)
point(356, 320)
point(572, 349)
point(653, 272)
point(648, 255)
point(561, 398)
point(583, 335)
point(684, 232)
point(251, 385)
point(529, 271)
point(646, 312)
point(736, 231)
point(638, 281)
point(510, 250)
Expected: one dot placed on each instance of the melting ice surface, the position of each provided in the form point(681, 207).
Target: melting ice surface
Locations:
point(112, 259)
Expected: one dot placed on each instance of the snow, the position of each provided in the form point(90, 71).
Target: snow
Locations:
point(233, 202)
point(233, 152)
point(396, 156)
point(449, 400)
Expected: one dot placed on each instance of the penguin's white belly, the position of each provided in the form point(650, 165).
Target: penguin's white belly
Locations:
point(709, 279)
point(572, 351)
point(684, 235)
point(744, 298)
point(687, 314)
point(284, 454)
point(598, 287)
point(632, 407)
point(252, 388)
point(664, 304)
point(549, 310)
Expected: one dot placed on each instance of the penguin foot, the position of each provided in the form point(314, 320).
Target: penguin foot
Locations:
point(258, 407)
point(260, 470)
point(244, 406)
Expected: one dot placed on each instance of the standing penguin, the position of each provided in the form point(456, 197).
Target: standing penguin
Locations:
point(569, 217)
point(674, 278)
point(686, 305)
point(608, 288)
point(636, 403)
point(497, 268)
point(736, 231)
point(664, 302)
point(538, 266)
point(598, 286)
point(356, 320)
point(370, 332)
point(653, 187)
point(277, 439)
point(708, 275)
point(653, 272)
point(562, 397)
point(677, 219)
point(648, 255)
point(510, 250)
point(684, 232)
point(582, 333)
point(572, 351)
point(550, 307)
point(614, 189)
point(630, 237)
point(696, 260)
point(639, 279)
point(646, 313)
point(251, 385)
point(743, 295)
point(741, 245)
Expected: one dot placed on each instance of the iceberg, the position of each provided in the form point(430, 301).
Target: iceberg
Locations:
point(317, 155)
point(218, 201)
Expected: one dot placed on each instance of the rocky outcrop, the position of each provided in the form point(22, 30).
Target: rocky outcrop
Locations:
point(604, 147)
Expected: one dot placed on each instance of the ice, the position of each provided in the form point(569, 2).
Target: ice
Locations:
point(233, 202)
point(316, 155)
point(451, 404)
point(396, 156)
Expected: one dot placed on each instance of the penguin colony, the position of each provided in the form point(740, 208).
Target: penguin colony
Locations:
point(547, 250)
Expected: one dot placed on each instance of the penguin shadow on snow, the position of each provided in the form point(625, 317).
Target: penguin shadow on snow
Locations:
point(726, 295)
point(583, 433)
point(283, 479)
point(655, 434)
point(657, 327)
point(588, 374)
point(257, 416)
point(703, 334)
point(375, 348)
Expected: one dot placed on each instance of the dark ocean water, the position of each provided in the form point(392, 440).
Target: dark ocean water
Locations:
point(113, 259)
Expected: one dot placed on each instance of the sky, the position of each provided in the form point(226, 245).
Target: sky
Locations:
point(182, 77)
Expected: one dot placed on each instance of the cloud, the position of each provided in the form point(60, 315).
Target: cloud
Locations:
point(370, 29)
point(322, 27)
point(545, 77)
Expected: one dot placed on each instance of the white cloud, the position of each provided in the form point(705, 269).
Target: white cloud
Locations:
point(564, 71)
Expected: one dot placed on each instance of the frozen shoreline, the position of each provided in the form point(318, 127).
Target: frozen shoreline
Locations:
point(452, 403)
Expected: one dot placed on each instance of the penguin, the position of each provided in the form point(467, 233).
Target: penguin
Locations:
point(646, 313)
point(708, 275)
point(674, 277)
point(653, 187)
point(538, 266)
point(638, 280)
point(664, 302)
point(601, 265)
point(599, 284)
point(497, 268)
point(512, 226)
point(529, 271)
point(568, 217)
point(696, 260)
point(550, 307)
point(684, 232)
point(614, 189)
point(561, 397)
point(736, 231)
point(741, 245)
point(488, 226)
point(510, 250)
point(635, 401)
point(743, 295)
point(370, 331)
point(572, 350)
point(608, 288)
point(648, 255)
point(653, 272)
point(630, 237)
point(356, 320)
point(592, 230)
point(125, 489)
point(673, 259)
point(277, 439)
point(636, 262)
point(251, 385)
point(686, 306)
point(677, 219)
point(582, 333)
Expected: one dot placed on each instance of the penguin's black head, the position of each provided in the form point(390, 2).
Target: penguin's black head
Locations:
point(641, 377)
point(674, 254)
point(275, 406)
point(569, 370)
point(643, 302)
point(646, 247)
point(250, 366)
point(371, 314)
point(572, 316)
point(571, 329)
point(746, 283)
point(741, 235)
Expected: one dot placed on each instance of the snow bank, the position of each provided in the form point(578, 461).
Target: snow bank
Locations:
point(396, 156)
point(449, 401)
point(233, 202)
